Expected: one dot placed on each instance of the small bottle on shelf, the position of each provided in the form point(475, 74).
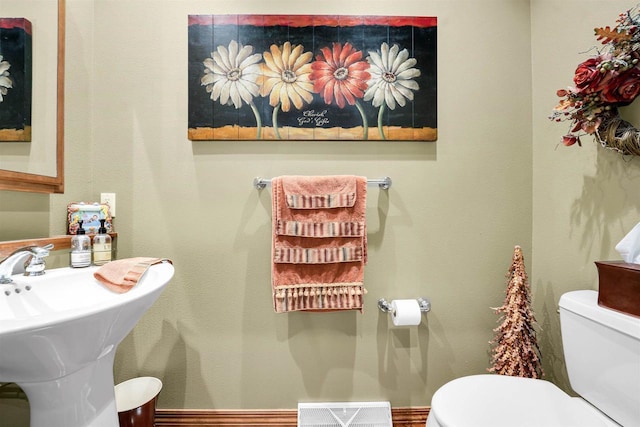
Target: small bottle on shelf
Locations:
point(80, 249)
point(101, 246)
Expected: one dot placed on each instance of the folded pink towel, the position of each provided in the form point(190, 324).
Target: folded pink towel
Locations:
point(319, 242)
point(122, 275)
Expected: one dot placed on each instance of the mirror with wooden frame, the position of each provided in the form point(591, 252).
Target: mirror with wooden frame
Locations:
point(46, 183)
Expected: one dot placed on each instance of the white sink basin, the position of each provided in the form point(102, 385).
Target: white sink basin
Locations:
point(58, 337)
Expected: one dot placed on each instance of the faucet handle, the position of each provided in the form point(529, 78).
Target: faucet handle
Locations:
point(35, 265)
point(42, 251)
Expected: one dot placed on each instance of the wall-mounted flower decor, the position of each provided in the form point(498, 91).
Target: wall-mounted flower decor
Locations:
point(602, 84)
point(271, 77)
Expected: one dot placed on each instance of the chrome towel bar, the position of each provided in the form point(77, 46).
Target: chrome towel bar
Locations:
point(384, 183)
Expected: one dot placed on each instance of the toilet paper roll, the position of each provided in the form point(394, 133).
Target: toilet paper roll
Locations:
point(405, 312)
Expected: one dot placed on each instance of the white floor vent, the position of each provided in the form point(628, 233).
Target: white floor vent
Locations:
point(344, 414)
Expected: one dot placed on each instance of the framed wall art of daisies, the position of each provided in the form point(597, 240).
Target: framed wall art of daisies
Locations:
point(312, 77)
point(15, 79)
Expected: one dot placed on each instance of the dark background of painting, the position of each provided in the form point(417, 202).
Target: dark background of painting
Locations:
point(420, 42)
point(15, 109)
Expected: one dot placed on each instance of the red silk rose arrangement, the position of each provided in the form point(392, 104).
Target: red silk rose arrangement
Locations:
point(602, 84)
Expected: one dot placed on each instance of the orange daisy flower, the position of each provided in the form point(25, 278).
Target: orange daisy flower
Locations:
point(340, 74)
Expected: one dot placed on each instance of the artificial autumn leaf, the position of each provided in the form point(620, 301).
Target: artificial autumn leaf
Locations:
point(564, 104)
point(608, 35)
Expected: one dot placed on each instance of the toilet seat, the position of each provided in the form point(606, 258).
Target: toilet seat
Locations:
point(503, 401)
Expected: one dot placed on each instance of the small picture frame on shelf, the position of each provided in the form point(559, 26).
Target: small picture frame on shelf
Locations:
point(90, 214)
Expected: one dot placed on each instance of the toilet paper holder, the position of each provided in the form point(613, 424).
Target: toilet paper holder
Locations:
point(424, 303)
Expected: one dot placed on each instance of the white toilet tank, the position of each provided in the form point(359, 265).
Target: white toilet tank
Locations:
point(602, 353)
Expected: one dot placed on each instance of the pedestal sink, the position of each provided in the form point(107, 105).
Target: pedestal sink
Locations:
point(58, 337)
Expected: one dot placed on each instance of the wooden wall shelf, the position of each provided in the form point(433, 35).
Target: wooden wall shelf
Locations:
point(59, 243)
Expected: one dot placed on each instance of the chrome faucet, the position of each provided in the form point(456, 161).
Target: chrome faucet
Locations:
point(32, 258)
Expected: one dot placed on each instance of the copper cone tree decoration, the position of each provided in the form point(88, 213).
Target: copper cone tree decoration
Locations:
point(515, 347)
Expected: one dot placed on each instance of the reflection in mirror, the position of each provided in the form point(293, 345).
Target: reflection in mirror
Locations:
point(51, 136)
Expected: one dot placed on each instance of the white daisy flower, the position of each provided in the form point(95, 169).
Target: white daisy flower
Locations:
point(231, 73)
point(5, 81)
point(392, 75)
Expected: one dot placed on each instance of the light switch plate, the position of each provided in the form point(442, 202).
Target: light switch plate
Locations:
point(110, 199)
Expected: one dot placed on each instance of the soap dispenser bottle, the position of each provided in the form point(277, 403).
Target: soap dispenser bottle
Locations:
point(80, 248)
point(101, 246)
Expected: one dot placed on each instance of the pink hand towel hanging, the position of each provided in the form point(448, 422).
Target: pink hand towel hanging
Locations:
point(319, 245)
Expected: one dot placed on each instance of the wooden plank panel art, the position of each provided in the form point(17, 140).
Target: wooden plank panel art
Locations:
point(315, 77)
point(15, 79)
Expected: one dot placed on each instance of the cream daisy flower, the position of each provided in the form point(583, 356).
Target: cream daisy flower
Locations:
point(285, 76)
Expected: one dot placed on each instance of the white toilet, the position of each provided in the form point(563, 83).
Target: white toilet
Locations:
point(602, 352)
